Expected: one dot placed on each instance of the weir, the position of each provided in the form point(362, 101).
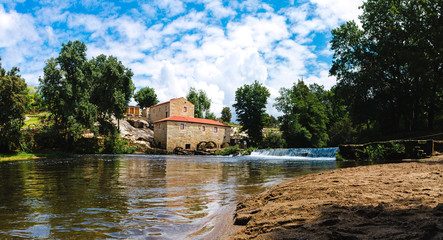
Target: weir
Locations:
point(297, 152)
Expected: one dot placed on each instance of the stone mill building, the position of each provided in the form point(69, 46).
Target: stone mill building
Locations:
point(175, 126)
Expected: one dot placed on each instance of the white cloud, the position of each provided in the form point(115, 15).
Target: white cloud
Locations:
point(16, 28)
point(170, 7)
point(217, 48)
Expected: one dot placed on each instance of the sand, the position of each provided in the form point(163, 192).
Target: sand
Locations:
point(389, 201)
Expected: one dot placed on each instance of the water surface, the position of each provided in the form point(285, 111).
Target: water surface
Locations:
point(133, 196)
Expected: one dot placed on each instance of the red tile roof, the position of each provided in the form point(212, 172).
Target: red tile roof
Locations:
point(192, 120)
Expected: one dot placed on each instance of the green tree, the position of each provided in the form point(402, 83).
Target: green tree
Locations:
point(273, 140)
point(250, 105)
point(146, 97)
point(304, 119)
point(210, 115)
point(112, 89)
point(67, 89)
point(270, 121)
point(13, 93)
point(80, 92)
point(200, 100)
point(389, 70)
point(226, 115)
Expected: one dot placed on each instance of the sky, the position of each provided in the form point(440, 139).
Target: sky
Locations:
point(173, 45)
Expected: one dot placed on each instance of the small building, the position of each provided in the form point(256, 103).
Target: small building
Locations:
point(188, 132)
point(133, 111)
point(173, 107)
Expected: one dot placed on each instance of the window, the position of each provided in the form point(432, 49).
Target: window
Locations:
point(188, 146)
point(215, 129)
point(182, 126)
point(203, 128)
point(185, 109)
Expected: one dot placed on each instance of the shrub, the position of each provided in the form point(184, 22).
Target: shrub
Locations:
point(273, 140)
point(231, 150)
point(114, 144)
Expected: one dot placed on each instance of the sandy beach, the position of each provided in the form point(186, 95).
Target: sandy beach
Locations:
point(388, 201)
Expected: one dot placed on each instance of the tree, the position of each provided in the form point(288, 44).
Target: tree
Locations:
point(67, 89)
point(250, 105)
point(146, 97)
point(273, 140)
point(304, 117)
point(389, 70)
point(34, 100)
point(13, 93)
point(80, 92)
point(210, 115)
point(270, 121)
point(226, 115)
point(200, 100)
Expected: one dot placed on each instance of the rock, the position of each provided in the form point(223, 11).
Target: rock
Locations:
point(142, 137)
point(242, 219)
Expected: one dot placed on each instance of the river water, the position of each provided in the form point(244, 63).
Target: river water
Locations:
point(134, 196)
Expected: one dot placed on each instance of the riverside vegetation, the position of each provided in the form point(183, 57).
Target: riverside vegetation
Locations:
point(389, 86)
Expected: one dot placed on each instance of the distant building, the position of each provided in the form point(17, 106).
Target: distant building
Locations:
point(173, 107)
point(133, 111)
point(187, 132)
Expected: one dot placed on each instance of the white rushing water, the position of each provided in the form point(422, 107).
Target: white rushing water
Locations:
point(298, 153)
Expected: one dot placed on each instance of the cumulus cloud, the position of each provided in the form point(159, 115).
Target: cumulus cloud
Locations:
point(172, 45)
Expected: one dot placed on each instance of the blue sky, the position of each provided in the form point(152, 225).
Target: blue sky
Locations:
point(172, 45)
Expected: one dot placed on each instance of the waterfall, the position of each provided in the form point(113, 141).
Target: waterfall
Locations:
point(297, 152)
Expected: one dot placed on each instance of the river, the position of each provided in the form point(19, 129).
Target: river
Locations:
point(134, 196)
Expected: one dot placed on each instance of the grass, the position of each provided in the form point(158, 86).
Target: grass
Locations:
point(34, 119)
point(28, 156)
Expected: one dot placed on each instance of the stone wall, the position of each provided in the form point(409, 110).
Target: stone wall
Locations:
point(159, 112)
point(174, 107)
point(160, 134)
point(171, 135)
point(177, 108)
point(411, 149)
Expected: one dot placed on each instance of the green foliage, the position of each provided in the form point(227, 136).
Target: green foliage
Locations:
point(230, 150)
point(112, 86)
point(200, 100)
point(250, 106)
point(79, 92)
point(270, 121)
point(389, 70)
point(383, 151)
point(248, 151)
point(12, 109)
point(115, 145)
point(339, 157)
point(304, 120)
point(210, 115)
point(273, 140)
point(146, 97)
point(34, 100)
point(226, 115)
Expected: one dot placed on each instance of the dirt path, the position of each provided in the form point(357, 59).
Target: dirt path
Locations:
point(390, 201)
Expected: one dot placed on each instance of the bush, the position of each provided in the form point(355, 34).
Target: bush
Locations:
point(115, 145)
point(248, 150)
point(273, 140)
point(231, 150)
point(390, 151)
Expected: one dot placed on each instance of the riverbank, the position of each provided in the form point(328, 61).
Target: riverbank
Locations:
point(30, 156)
point(389, 201)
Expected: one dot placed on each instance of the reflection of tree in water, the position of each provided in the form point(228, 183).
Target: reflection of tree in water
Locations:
point(77, 193)
point(13, 206)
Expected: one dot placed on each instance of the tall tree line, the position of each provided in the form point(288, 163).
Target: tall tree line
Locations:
point(390, 69)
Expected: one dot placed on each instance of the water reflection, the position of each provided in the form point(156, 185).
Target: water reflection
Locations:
point(129, 196)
